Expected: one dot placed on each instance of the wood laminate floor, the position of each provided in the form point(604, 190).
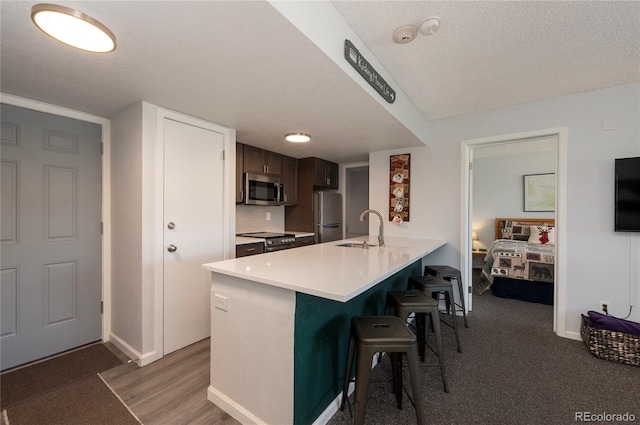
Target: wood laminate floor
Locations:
point(172, 390)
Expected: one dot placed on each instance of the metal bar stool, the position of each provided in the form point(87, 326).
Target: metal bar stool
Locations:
point(404, 303)
point(448, 273)
point(373, 334)
point(433, 286)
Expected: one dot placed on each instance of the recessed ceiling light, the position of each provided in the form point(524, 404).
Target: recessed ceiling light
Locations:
point(297, 137)
point(73, 28)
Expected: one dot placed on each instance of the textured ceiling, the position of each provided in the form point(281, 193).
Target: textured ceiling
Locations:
point(243, 65)
point(489, 54)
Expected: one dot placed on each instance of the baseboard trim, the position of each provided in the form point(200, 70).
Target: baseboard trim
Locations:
point(236, 411)
point(139, 358)
point(572, 335)
point(334, 406)
point(242, 415)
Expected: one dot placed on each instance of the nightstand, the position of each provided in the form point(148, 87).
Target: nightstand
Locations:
point(477, 260)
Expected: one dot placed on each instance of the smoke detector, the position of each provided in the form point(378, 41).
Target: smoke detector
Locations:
point(405, 34)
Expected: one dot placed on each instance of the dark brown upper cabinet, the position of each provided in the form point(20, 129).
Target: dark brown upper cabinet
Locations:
point(260, 161)
point(325, 174)
point(290, 180)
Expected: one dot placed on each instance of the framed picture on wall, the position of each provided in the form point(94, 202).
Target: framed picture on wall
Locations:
point(539, 192)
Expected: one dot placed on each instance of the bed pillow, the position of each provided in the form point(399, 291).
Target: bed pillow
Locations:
point(602, 321)
point(516, 230)
point(535, 235)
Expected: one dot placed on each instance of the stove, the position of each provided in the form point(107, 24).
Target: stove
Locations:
point(273, 241)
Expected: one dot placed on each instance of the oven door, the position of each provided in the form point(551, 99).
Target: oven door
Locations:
point(263, 190)
point(278, 247)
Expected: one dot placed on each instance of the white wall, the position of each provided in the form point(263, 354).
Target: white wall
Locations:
point(601, 264)
point(126, 233)
point(132, 208)
point(500, 194)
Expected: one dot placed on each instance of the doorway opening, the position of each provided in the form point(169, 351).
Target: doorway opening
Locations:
point(513, 156)
point(356, 201)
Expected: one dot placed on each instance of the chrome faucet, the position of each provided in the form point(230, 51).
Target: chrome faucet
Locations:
point(381, 230)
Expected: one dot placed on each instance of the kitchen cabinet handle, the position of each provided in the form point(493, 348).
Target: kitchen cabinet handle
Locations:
point(171, 225)
point(172, 248)
point(250, 249)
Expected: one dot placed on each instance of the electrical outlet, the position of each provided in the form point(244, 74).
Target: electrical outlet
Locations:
point(222, 302)
point(268, 216)
point(604, 306)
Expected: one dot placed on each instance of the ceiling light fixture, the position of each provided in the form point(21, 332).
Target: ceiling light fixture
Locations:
point(429, 26)
point(297, 137)
point(73, 28)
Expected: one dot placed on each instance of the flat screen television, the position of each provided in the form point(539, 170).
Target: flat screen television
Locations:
point(627, 195)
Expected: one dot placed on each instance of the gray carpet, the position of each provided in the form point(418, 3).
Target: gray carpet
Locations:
point(513, 369)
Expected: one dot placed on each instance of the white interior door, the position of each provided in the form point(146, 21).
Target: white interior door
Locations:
point(51, 256)
point(193, 229)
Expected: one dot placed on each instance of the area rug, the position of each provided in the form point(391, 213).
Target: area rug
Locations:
point(28, 382)
point(87, 401)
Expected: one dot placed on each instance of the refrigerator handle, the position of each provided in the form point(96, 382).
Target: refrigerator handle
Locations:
point(329, 225)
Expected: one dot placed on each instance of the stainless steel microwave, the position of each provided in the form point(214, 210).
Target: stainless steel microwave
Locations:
point(263, 190)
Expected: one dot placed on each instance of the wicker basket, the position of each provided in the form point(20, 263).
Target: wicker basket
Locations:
point(610, 345)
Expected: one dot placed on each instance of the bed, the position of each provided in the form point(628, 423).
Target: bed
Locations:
point(519, 263)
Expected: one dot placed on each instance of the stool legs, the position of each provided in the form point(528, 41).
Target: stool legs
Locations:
point(462, 297)
point(403, 313)
point(448, 273)
point(368, 336)
point(414, 372)
point(363, 365)
point(448, 296)
point(347, 374)
point(435, 321)
point(458, 279)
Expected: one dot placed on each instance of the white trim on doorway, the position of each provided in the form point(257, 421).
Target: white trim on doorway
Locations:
point(36, 105)
point(561, 133)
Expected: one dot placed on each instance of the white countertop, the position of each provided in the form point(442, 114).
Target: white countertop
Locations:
point(299, 234)
point(243, 240)
point(327, 270)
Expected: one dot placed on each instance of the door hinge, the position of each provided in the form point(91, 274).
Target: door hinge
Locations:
point(101, 307)
point(223, 157)
point(102, 227)
point(101, 148)
point(471, 166)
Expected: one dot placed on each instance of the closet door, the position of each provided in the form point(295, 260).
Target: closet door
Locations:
point(193, 229)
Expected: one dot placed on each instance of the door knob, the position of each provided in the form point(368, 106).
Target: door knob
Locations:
point(172, 248)
point(171, 225)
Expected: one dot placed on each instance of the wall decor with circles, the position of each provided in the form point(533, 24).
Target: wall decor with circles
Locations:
point(399, 172)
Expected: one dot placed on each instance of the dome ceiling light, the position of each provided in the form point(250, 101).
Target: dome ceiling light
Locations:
point(429, 26)
point(73, 28)
point(297, 137)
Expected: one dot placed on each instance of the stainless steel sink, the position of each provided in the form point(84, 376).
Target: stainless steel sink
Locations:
point(354, 244)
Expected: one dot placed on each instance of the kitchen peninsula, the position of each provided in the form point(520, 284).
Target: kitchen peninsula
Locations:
point(280, 323)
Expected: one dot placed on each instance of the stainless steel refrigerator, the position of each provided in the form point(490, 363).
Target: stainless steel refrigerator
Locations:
point(327, 216)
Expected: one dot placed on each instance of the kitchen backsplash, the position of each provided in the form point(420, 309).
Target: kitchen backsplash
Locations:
point(252, 218)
